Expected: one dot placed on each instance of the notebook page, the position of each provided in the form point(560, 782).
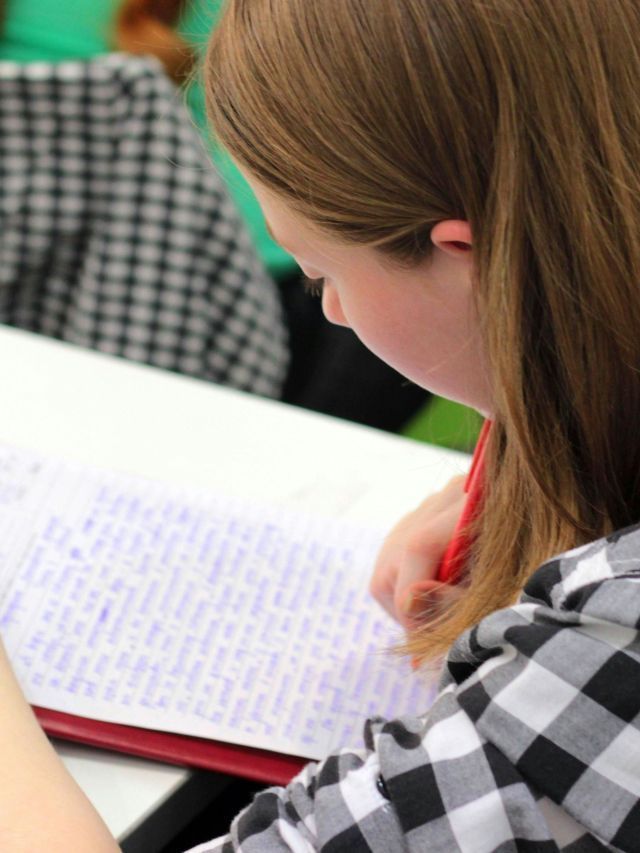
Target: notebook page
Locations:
point(123, 599)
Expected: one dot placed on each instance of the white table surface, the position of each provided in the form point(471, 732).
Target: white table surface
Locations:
point(102, 410)
point(125, 790)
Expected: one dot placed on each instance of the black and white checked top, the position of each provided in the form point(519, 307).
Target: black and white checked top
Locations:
point(116, 232)
point(532, 745)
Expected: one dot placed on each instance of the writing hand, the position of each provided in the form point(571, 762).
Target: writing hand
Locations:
point(408, 561)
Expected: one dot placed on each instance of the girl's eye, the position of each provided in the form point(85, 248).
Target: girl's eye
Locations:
point(313, 286)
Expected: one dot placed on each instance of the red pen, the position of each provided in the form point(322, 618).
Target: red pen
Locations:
point(453, 559)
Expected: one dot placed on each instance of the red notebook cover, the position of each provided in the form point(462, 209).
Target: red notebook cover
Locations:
point(256, 764)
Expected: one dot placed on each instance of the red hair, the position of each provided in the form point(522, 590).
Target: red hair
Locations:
point(148, 27)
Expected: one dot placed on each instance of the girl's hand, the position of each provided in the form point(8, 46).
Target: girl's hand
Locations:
point(409, 559)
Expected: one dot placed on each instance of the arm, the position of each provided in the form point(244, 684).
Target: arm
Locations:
point(41, 807)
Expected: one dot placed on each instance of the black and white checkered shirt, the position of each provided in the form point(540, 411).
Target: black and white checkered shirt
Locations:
point(533, 743)
point(116, 232)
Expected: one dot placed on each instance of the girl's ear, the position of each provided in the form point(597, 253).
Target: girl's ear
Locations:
point(452, 236)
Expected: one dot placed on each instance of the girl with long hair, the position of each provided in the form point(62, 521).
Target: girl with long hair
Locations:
point(461, 180)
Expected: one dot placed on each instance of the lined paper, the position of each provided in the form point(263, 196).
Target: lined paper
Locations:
point(180, 609)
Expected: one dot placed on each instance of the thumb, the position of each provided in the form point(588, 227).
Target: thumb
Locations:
point(422, 556)
point(417, 571)
point(424, 601)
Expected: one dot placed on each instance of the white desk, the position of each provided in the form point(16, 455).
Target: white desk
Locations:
point(102, 410)
point(128, 790)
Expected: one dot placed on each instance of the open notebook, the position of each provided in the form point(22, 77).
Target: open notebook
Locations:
point(186, 611)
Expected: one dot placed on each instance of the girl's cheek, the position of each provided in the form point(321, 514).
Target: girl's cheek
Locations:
point(331, 307)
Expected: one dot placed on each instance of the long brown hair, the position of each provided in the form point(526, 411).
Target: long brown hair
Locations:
point(148, 27)
point(375, 119)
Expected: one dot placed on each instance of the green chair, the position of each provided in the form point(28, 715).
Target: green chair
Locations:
point(445, 423)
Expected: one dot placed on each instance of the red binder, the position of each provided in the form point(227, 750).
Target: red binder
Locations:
point(256, 764)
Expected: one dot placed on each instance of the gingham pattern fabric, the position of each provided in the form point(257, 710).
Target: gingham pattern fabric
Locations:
point(116, 232)
point(533, 743)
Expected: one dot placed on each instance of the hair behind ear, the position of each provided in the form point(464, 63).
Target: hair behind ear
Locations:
point(148, 27)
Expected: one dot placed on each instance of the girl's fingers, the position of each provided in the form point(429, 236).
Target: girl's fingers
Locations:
point(412, 551)
point(425, 600)
point(423, 555)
